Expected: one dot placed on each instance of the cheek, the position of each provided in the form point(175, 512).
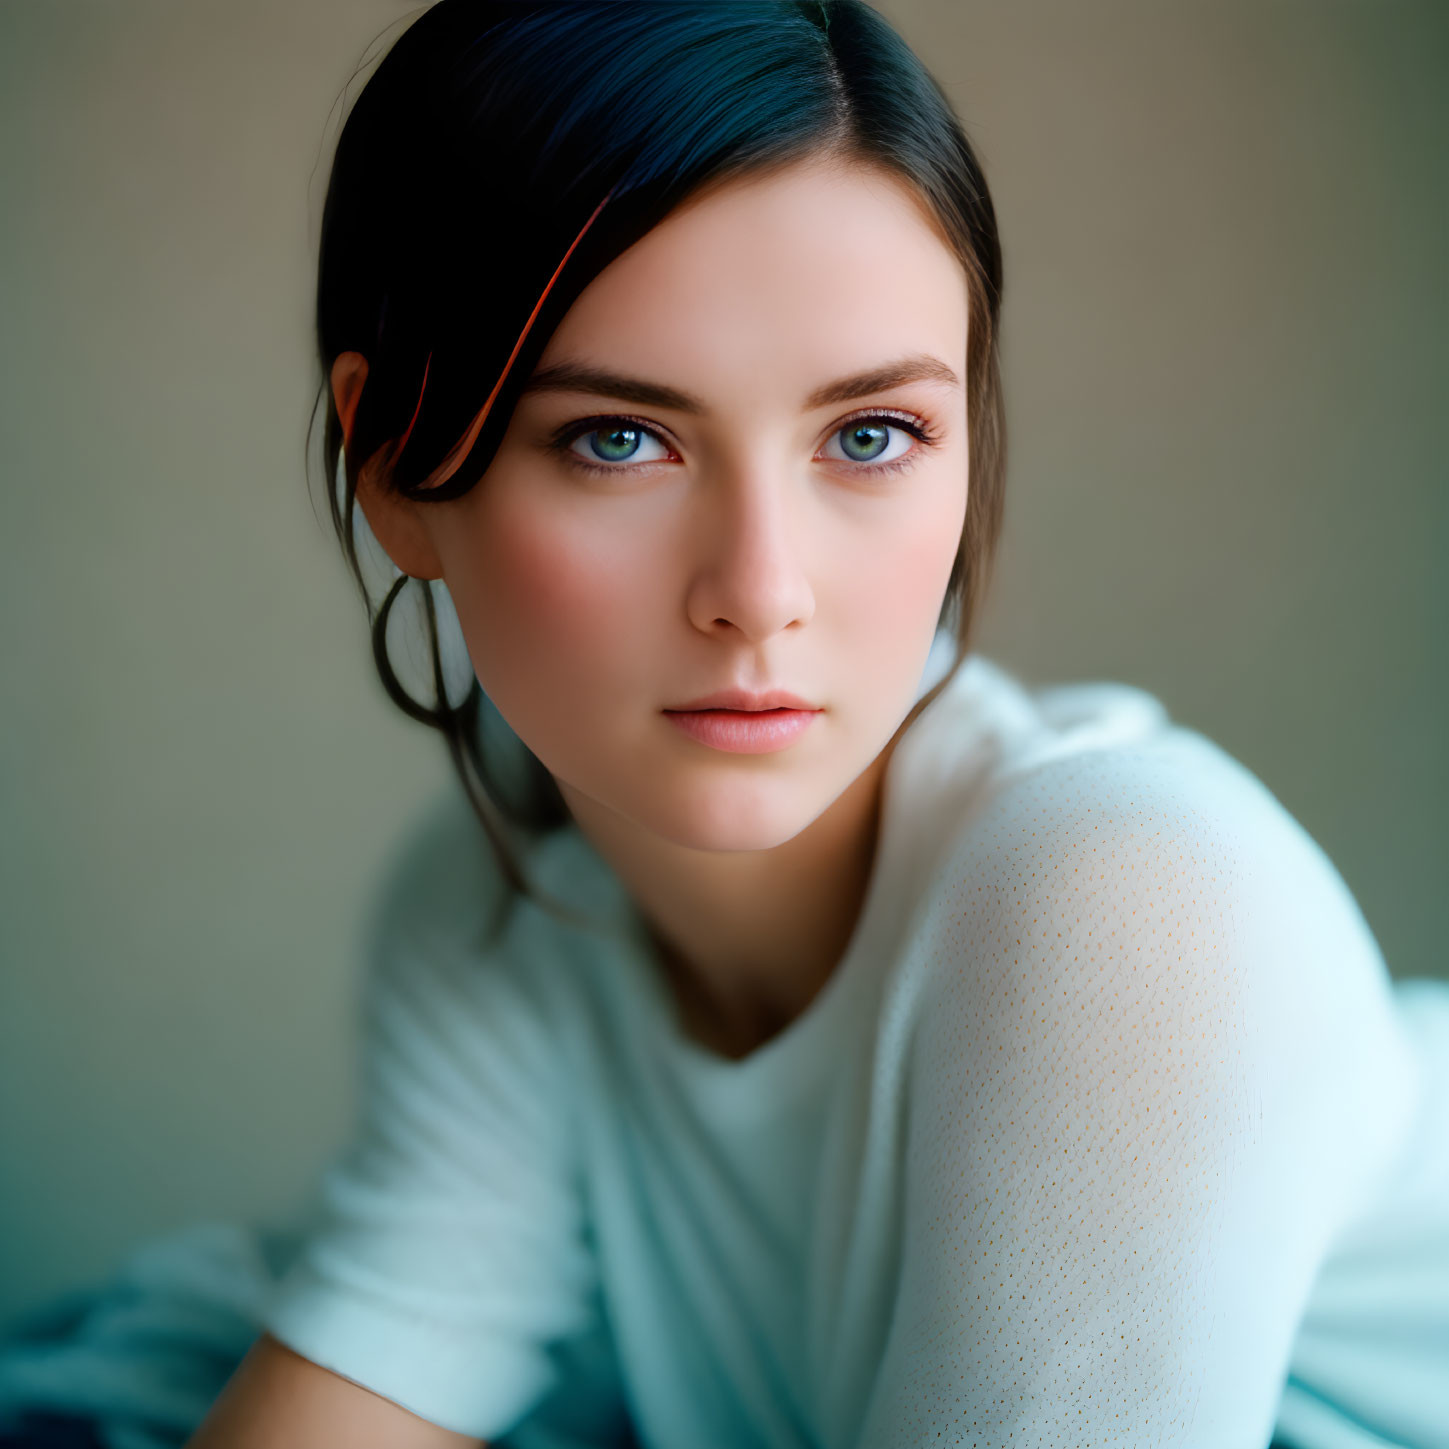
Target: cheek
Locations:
point(898, 580)
point(533, 587)
point(889, 603)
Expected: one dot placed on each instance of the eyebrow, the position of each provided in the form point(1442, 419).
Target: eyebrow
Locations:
point(580, 377)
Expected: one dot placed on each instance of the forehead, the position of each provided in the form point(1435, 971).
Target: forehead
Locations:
point(810, 269)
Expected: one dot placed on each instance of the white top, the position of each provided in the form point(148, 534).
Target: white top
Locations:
point(1109, 1090)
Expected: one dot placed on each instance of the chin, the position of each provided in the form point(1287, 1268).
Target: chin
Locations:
point(732, 816)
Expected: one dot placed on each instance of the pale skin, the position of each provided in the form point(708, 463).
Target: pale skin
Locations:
point(745, 543)
point(740, 545)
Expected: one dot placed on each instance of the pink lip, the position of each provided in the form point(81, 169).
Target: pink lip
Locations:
point(744, 732)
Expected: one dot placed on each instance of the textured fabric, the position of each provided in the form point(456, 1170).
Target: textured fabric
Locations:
point(1109, 1128)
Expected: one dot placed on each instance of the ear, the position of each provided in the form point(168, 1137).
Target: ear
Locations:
point(396, 522)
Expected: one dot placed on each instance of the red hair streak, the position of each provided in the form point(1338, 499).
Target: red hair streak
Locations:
point(403, 441)
point(461, 449)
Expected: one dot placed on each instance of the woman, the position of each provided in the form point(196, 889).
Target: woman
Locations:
point(802, 1033)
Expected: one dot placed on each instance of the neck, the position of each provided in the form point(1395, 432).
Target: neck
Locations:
point(746, 940)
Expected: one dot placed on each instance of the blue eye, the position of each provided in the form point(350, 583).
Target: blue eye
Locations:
point(616, 444)
point(866, 439)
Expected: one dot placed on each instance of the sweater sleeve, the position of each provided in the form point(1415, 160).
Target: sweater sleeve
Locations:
point(1155, 1069)
point(446, 1252)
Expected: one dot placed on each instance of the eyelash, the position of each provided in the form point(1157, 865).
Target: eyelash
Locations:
point(917, 427)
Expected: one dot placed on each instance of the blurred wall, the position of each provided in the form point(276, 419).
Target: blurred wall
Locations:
point(1225, 351)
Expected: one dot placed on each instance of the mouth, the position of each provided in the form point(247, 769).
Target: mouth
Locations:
point(744, 731)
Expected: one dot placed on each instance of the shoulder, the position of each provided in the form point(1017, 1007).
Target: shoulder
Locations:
point(1144, 904)
point(444, 949)
point(439, 876)
point(1093, 788)
point(1159, 846)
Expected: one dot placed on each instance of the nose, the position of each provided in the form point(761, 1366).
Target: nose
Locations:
point(751, 577)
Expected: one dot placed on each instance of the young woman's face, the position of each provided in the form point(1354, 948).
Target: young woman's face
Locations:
point(728, 525)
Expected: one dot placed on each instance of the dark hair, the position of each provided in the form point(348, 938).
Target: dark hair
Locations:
point(480, 152)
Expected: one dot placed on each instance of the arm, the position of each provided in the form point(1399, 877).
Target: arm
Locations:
point(279, 1400)
point(1156, 1070)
